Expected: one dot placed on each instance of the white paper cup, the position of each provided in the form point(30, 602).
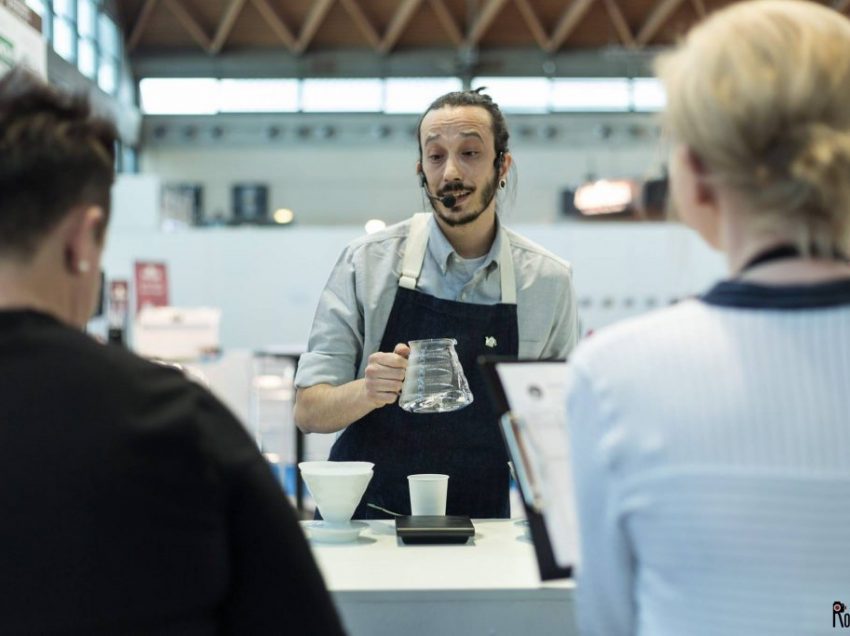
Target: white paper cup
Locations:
point(428, 494)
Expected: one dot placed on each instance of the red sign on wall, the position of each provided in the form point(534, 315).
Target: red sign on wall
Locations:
point(151, 284)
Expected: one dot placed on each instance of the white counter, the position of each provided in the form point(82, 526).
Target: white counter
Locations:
point(490, 586)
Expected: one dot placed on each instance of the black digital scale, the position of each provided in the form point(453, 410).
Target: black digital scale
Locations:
point(423, 529)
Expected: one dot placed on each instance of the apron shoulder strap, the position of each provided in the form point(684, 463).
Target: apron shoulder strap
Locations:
point(506, 269)
point(414, 256)
point(414, 250)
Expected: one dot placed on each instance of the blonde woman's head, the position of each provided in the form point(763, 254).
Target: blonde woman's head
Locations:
point(760, 94)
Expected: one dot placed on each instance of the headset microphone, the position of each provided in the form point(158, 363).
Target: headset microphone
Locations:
point(447, 200)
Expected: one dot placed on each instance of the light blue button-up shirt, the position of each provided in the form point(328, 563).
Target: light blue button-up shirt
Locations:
point(447, 275)
point(356, 302)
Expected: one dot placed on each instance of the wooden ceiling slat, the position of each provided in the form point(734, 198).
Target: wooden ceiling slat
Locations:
point(699, 7)
point(620, 24)
point(386, 27)
point(275, 23)
point(484, 20)
point(447, 21)
point(226, 25)
point(533, 22)
point(399, 22)
point(662, 10)
point(311, 25)
point(362, 22)
point(141, 24)
point(569, 21)
point(189, 23)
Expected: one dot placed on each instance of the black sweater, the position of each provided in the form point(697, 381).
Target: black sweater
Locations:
point(132, 501)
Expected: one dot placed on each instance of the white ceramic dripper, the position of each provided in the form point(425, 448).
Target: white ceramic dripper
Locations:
point(337, 487)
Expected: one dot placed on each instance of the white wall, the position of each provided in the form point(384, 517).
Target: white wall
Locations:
point(348, 180)
point(268, 281)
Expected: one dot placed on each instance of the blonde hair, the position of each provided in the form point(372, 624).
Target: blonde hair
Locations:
point(760, 92)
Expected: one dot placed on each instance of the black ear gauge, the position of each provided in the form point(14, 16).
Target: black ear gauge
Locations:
point(422, 181)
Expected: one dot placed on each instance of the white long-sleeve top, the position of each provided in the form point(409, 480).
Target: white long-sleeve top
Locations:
point(711, 453)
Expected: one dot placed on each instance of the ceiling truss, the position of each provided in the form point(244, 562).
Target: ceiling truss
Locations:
point(549, 35)
point(201, 29)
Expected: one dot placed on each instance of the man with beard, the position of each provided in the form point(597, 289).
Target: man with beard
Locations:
point(456, 273)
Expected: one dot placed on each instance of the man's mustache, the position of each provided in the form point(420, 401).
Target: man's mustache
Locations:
point(456, 187)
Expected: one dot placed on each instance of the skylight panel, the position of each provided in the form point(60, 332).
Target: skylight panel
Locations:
point(517, 94)
point(179, 96)
point(415, 94)
point(258, 96)
point(342, 95)
point(591, 94)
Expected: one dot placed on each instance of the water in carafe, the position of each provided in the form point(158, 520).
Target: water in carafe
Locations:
point(434, 381)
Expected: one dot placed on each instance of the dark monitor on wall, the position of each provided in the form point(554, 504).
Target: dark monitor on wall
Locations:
point(101, 301)
point(653, 199)
point(567, 203)
point(250, 203)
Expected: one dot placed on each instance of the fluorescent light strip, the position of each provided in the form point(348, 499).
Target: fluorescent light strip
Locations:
point(208, 96)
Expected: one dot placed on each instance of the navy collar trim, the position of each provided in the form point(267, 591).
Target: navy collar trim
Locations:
point(745, 295)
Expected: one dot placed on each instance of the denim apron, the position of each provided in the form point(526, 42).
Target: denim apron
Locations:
point(464, 444)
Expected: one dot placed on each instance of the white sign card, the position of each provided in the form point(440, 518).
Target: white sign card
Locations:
point(537, 398)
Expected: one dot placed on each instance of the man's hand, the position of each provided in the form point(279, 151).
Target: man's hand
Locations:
point(324, 408)
point(385, 375)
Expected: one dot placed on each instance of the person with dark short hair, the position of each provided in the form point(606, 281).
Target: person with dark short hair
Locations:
point(131, 500)
point(456, 273)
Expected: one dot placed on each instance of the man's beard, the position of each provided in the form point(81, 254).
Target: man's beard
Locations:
point(453, 220)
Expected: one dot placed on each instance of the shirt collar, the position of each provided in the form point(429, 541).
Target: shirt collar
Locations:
point(441, 250)
point(748, 295)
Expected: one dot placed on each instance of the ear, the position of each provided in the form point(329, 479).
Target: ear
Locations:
point(703, 191)
point(420, 174)
point(693, 195)
point(507, 160)
point(84, 239)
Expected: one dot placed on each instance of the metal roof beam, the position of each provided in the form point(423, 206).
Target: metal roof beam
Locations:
point(270, 63)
